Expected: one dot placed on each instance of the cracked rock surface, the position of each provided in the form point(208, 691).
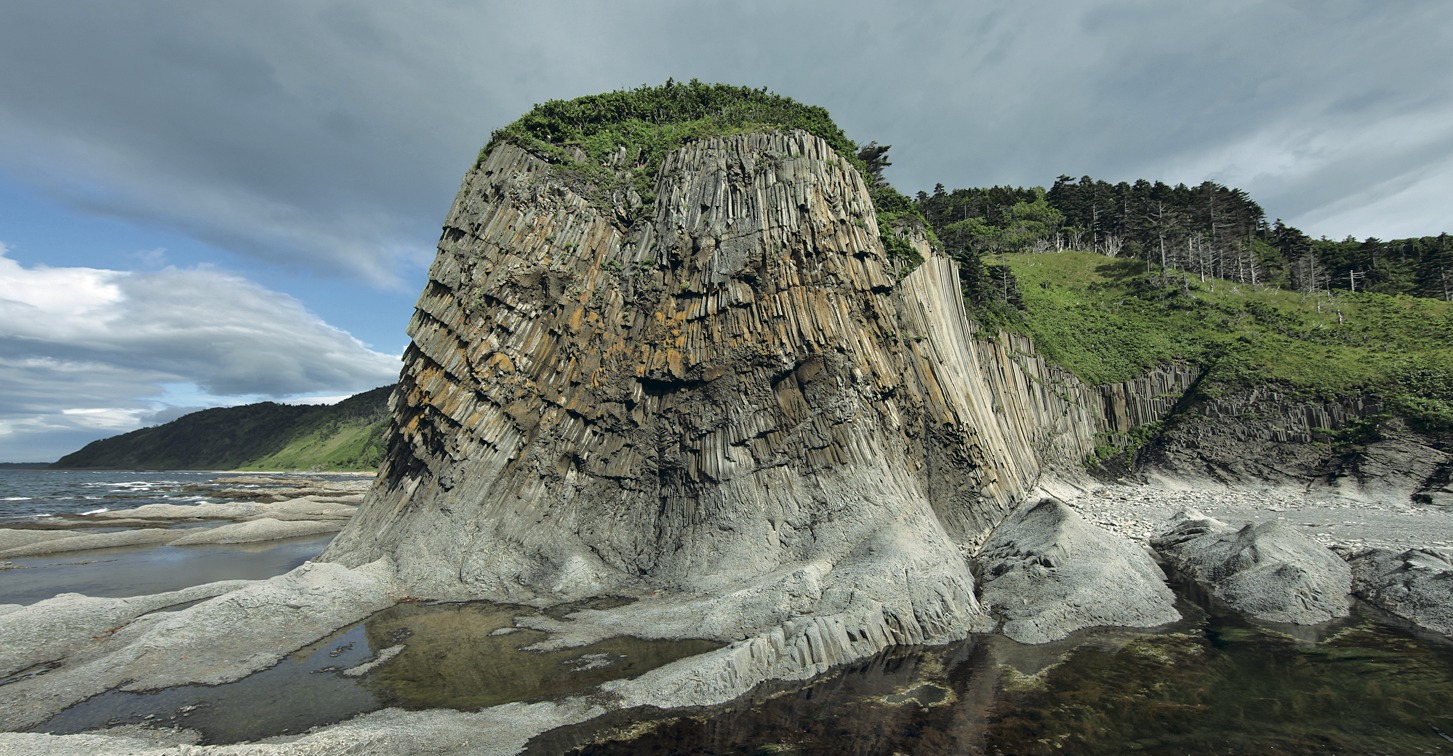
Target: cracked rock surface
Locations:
point(1416, 584)
point(1048, 572)
point(733, 407)
point(1267, 571)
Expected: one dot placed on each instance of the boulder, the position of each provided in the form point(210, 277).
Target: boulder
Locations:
point(1048, 572)
point(1416, 585)
point(1268, 572)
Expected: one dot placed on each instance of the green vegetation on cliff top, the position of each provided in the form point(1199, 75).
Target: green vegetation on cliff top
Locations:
point(648, 122)
point(624, 137)
point(1110, 319)
point(349, 435)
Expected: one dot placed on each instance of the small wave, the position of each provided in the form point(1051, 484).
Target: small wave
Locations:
point(16, 498)
point(97, 511)
point(43, 514)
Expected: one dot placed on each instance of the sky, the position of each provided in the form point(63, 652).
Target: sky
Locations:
point(209, 204)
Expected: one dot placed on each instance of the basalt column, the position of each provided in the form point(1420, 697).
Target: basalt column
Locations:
point(727, 390)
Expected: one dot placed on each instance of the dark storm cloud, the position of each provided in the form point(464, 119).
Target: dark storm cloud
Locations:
point(332, 135)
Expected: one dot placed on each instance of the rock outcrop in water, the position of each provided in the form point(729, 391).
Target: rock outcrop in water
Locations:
point(735, 404)
point(1267, 571)
point(1416, 584)
point(1050, 573)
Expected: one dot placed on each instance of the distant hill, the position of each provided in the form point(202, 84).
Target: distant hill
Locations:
point(349, 435)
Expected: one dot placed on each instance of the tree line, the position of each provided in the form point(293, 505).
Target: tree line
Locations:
point(1209, 230)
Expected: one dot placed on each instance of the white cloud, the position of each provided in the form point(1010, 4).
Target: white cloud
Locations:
point(92, 351)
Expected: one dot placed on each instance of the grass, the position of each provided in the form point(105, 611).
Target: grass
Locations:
point(1108, 319)
point(335, 447)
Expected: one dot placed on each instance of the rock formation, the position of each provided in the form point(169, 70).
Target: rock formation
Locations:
point(736, 402)
point(1048, 572)
point(1257, 436)
point(1416, 585)
point(1266, 571)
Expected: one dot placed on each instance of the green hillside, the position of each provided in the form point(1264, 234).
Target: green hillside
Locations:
point(349, 435)
point(1109, 319)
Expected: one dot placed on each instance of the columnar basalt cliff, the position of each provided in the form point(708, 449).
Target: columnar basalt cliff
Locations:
point(733, 400)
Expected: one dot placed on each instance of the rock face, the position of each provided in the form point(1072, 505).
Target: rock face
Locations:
point(1267, 571)
point(1258, 436)
point(1049, 572)
point(1416, 585)
point(735, 405)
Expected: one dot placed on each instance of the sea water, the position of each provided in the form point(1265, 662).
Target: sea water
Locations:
point(29, 495)
point(1207, 685)
point(38, 498)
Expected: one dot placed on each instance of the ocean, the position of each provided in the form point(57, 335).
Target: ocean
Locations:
point(28, 495)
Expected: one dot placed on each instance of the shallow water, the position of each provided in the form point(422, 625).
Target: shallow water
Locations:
point(1208, 685)
point(136, 571)
point(451, 659)
point(1215, 686)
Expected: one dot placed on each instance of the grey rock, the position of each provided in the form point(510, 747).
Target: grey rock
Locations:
point(1049, 572)
point(1258, 436)
point(49, 630)
point(1267, 571)
point(262, 529)
point(1416, 585)
point(89, 541)
point(12, 538)
point(102, 644)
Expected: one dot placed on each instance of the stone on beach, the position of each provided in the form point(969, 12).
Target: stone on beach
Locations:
point(1268, 571)
point(1416, 585)
point(89, 541)
point(11, 538)
point(264, 529)
point(1049, 572)
point(245, 629)
point(251, 522)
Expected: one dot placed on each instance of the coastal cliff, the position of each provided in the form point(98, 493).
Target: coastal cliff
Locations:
point(688, 379)
point(738, 403)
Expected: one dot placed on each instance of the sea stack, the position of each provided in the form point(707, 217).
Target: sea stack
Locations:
point(724, 395)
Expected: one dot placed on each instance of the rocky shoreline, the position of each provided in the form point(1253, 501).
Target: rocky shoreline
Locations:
point(254, 509)
point(76, 646)
point(1334, 520)
point(739, 420)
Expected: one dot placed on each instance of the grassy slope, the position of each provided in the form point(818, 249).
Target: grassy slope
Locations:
point(266, 436)
point(1106, 320)
point(349, 436)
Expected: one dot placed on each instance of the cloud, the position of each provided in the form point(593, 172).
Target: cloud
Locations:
point(330, 136)
point(93, 352)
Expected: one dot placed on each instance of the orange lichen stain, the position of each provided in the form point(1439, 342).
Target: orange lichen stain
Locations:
point(673, 363)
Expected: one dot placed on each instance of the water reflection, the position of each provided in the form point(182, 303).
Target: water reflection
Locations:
point(1215, 686)
point(458, 656)
point(454, 657)
point(1212, 684)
